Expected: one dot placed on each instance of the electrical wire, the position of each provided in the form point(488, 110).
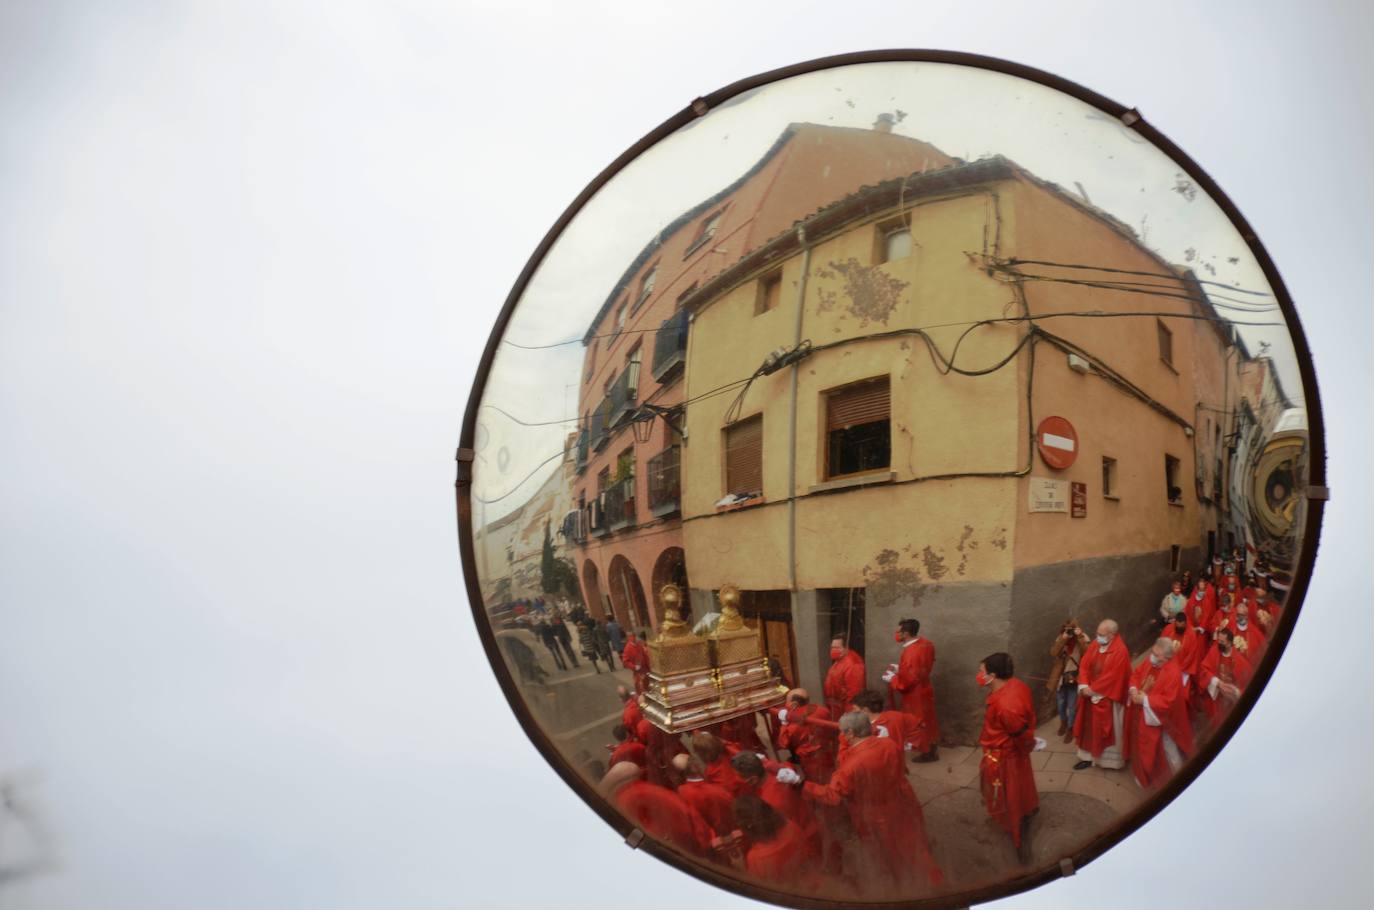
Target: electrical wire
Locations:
point(559, 454)
point(1103, 268)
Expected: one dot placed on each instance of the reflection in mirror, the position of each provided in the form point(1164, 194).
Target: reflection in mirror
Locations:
point(888, 481)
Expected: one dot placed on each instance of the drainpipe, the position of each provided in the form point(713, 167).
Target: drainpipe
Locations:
point(792, 421)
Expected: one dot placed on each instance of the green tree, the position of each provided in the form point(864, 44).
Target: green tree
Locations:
point(557, 576)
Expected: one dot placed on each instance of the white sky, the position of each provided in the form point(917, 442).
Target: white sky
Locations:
point(249, 255)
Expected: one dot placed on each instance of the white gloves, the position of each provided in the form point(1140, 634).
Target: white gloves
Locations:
point(882, 731)
point(889, 675)
point(1040, 745)
point(782, 716)
point(788, 776)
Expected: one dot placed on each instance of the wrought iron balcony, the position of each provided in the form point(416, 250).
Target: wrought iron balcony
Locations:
point(575, 526)
point(583, 448)
point(600, 430)
point(665, 484)
point(670, 346)
point(623, 395)
point(620, 504)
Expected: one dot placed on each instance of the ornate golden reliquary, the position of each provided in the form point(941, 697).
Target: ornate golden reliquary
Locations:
point(697, 681)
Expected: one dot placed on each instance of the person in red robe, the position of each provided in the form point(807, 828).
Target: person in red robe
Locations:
point(1225, 672)
point(845, 679)
point(1266, 611)
point(713, 803)
point(630, 714)
point(1159, 731)
point(1250, 632)
point(627, 748)
point(1007, 740)
point(657, 810)
point(659, 750)
point(812, 745)
point(871, 784)
point(759, 777)
point(884, 721)
point(635, 656)
point(1202, 604)
point(715, 759)
point(1190, 645)
point(909, 680)
point(1104, 674)
point(778, 851)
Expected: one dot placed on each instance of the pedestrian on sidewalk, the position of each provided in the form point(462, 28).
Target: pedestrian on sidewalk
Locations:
point(1067, 649)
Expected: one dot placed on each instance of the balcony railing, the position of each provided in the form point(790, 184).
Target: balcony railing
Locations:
point(597, 525)
point(620, 504)
point(623, 395)
point(600, 430)
point(670, 346)
point(583, 448)
point(665, 484)
point(575, 526)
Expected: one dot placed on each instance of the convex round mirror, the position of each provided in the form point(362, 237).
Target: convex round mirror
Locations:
point(893, 480)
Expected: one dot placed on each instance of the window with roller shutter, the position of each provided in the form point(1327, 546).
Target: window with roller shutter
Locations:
point(744, 456)
point(858, 428)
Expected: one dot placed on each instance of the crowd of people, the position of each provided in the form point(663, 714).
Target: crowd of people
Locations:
point(1152, 715)
point(553, 625)
point(829, 803)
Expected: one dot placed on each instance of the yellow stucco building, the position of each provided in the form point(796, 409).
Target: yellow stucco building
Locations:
point(904, 344)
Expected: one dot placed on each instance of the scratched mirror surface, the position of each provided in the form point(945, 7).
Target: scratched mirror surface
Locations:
point(888, 482)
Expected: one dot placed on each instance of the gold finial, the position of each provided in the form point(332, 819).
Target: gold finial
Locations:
point(672, 625)
point(730, 618)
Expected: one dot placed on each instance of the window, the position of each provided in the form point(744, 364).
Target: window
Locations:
point(744, 456)
point(646, 286)
point(708, 228)
point(603, 480)
point(632, 368)
point(1166, 343)
point(893, 241)
point(1171, 486)
point(620, 315)
point(1109, 477)
point(769, 292)
point(858, 428)
point(591, 362)
point(1175, 557)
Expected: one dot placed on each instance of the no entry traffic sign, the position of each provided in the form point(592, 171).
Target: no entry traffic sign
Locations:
point(1057, 441)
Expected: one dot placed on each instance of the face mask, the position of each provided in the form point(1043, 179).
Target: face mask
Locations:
point(982, 679)
point(1241, 623)
point(1198, 595)
point(836, 654)
point(1102, 639)
point(897, 637)
point(1156, 661)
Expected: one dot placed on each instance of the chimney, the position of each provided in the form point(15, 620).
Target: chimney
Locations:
point(884, 123)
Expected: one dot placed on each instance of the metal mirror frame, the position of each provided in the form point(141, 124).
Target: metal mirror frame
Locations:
point(1316, 493)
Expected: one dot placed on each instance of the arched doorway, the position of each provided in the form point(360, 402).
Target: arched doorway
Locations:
point(627, 595)
point(670, 568)
point(591, 589)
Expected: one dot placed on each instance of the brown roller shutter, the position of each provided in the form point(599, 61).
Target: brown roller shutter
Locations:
point(744, 456)
point(865, 402)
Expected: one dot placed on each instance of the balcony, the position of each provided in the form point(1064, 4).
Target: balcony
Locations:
point(575, 526)
point(623, 395)
point(665, 485)
point(600, 431)
point(620, 504)
point(583, 449)
point(596, 517)
point(670, 346)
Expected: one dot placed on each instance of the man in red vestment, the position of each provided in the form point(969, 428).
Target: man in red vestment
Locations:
point(871, 783)
point(1249, 631)
point(1103, 676)
point(659, 749)
point(1224, 673)
point(884, 721)
point(1266, 611)
point(1159, 731)
point(712, 803)
point(630, 716)
point(844, 680)
point(627, 748)
point(761, 778)
point(715, 759)
point(812, 745)
point(658, 810)
point(778, 851)
point(1190, 645)
point(1008, 739)
point(636, 657)
point(1202, 604)
point(910, 680)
